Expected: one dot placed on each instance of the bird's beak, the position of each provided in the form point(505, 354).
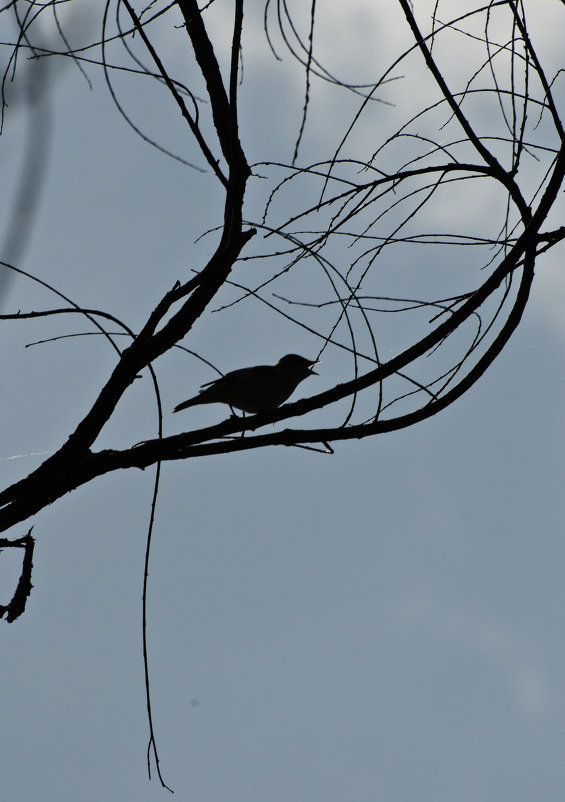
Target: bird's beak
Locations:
point(314, 363)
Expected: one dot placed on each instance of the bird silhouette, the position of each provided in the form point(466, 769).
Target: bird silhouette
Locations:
point(255, 389)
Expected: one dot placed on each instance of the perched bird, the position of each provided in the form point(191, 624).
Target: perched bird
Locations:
point(255, 389)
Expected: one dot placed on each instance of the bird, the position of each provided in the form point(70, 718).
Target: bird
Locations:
point(255, 389)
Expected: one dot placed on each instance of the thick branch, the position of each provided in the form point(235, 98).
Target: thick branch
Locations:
point(206, 58)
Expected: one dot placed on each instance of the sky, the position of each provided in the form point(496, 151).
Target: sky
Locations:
point(384, 623)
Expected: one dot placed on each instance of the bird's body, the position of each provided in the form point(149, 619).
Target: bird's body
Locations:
point(255, 389)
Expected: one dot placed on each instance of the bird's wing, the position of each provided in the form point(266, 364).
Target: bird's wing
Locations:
point(240, 375)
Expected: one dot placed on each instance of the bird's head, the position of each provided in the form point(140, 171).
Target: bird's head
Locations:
point(296, 364)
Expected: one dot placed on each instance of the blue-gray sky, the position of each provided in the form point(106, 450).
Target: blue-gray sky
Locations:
point(385, 623)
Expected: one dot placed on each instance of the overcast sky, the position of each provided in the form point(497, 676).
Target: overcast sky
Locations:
point(382, 624)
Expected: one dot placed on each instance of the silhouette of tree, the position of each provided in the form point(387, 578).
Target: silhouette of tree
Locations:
point(381, 254)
